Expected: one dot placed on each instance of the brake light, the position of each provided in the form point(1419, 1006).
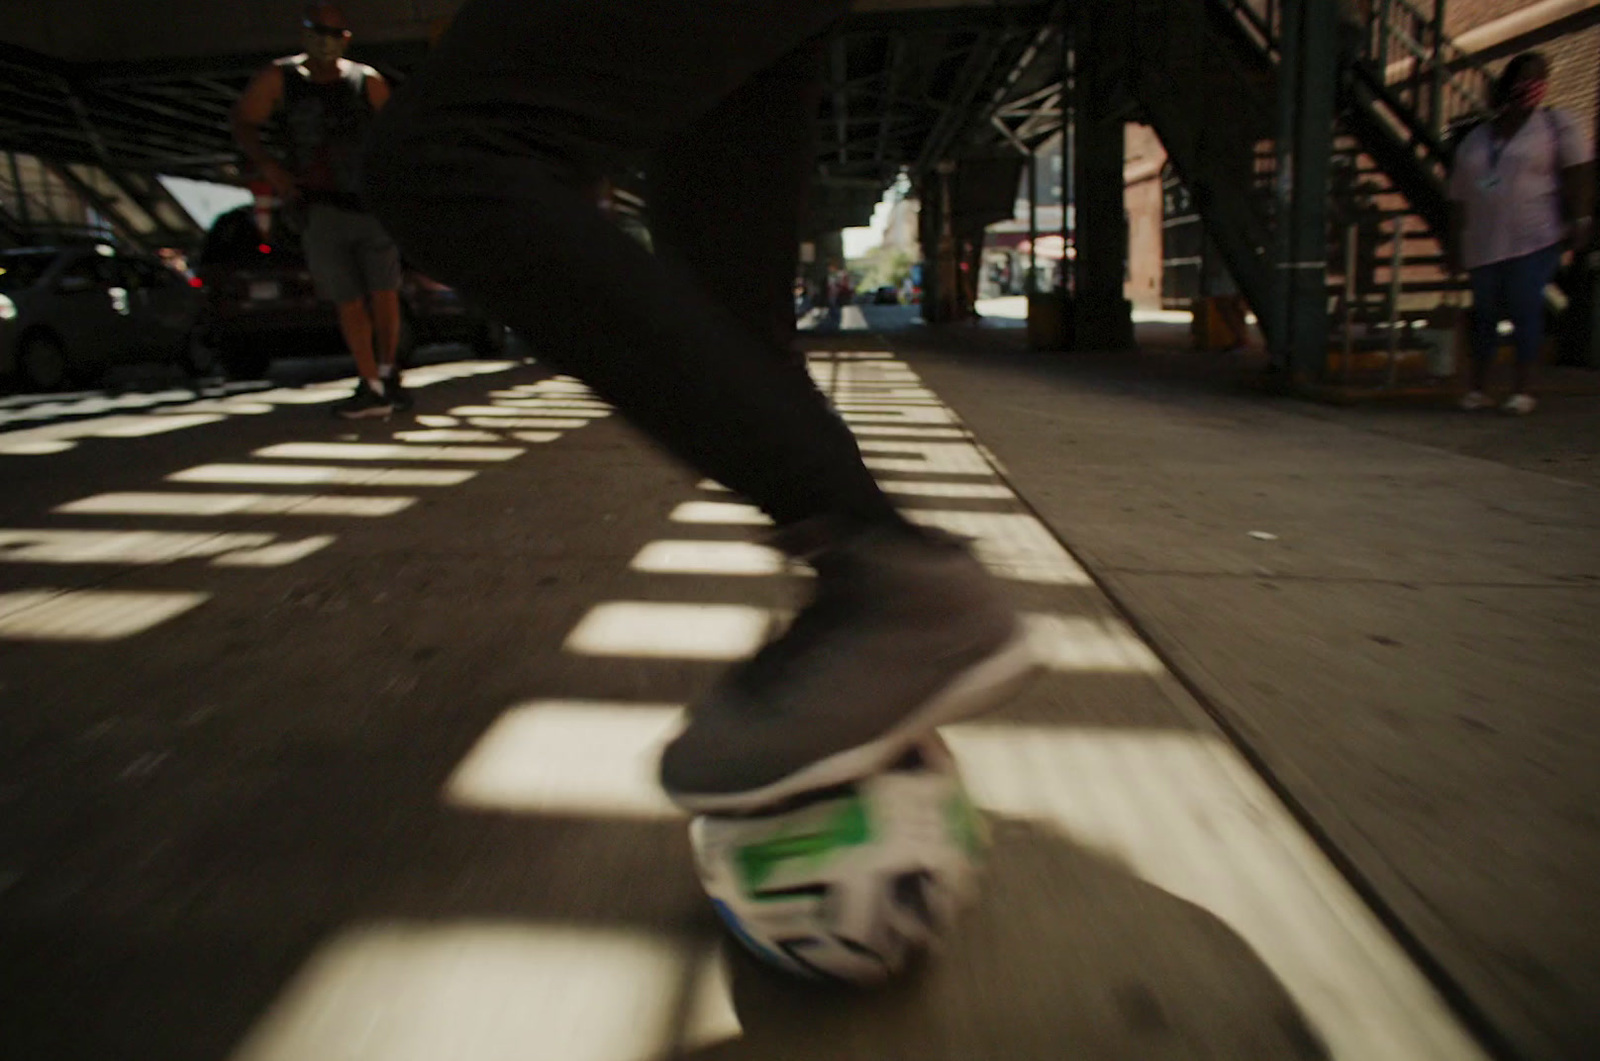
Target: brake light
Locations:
point(196, 282)
point(264, 248)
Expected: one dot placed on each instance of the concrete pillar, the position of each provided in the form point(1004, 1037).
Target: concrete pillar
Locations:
point(941, 288)
point(829, 248)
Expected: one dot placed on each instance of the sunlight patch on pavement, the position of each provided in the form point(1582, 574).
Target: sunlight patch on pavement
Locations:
point(88, 615)
point(970, 491)
point(379, 451)
point(281, 554)
point(670, 631)
point(730, 513)
point(446, 434)
point(583, 758)
point(529, 422)
point(185, 504)
point(1013, 545)
point(481, 990)
point(941, 458)
point(677, 557)
point(119, 547)
point(318, 474)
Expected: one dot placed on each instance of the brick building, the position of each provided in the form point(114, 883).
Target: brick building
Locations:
point(1566, 31)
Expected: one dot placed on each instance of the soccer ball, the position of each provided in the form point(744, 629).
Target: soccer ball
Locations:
point(850, 883)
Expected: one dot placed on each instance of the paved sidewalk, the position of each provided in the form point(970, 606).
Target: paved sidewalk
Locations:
point(1395, 609)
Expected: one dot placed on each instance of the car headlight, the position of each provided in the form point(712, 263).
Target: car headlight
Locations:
point(8, 309)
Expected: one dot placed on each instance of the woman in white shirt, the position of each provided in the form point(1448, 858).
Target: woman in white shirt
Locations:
point(1521, 193)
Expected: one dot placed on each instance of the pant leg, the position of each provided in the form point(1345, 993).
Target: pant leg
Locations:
point(728, 193)
point(477, 167)
point(1526, 279)
point(1488, 310)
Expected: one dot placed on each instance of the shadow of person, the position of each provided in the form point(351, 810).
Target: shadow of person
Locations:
point(1066, 955)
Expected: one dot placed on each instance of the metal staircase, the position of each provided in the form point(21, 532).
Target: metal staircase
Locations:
point(1207, 75)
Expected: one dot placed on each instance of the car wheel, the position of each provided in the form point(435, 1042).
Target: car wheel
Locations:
point(244, 362)
point(43, 362)
point(491, 339)
point(197, 356)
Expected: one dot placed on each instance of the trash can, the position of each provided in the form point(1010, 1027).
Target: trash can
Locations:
point(1050, 321)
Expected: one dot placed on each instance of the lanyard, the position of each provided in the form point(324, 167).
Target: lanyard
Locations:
point(1497, 147)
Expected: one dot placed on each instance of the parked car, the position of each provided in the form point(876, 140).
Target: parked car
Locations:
point(68, 313)
point(887, 295)
point(262, 304)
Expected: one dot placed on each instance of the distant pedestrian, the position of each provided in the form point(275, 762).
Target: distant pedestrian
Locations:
point(1522, 191)
point(328, 102)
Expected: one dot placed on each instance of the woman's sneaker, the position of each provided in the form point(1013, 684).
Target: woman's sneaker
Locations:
point(1475, 400)
point(1520, 404)
point(906, 633)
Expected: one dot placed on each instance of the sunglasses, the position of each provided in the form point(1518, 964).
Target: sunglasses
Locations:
point(326, 31)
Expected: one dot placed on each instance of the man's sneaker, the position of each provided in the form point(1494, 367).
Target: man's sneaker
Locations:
point(397, 394)
point(907, 632)
point(1520, 404)
point(363, 404)
point(1475, 400)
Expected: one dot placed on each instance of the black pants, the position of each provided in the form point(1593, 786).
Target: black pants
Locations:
point(482, 165)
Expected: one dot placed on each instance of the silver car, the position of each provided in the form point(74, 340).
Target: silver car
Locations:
point(69, 313)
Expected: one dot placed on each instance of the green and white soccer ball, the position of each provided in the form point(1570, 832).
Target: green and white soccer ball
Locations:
point(853, 882)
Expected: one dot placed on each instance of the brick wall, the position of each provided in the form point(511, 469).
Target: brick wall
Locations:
point(1462, 15)
point(1574, 59)
point(1574, 73)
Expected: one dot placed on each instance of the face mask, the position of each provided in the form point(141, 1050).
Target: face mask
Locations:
point(1530, 93)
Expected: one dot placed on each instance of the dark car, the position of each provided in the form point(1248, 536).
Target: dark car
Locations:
point(262, 304)
point(68, 313)
point(887, 295)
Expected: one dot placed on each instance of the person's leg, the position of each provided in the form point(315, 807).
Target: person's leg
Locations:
point(1488, 308)
point(378, 261)
point(728, 194)
point(332, 257)
point(1526, 279)
point(479, 165)
point(355, 324)
point(480, 168)
point(385, 328)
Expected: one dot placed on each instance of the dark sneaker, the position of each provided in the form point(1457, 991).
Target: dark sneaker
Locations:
point(397, 394)
point(907, 632)
point(363, 404)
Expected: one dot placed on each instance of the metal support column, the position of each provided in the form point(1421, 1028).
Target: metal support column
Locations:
point(1069, 192)
point(1306, 87)
point(1033, 224)
point(1102, 316)
point(1436, 87)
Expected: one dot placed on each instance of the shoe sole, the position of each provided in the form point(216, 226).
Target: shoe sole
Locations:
point(979, 688)
point(366, 414)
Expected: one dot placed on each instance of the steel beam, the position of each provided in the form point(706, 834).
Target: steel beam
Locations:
point(105, 207)
point(841, 102)
point(896, 70)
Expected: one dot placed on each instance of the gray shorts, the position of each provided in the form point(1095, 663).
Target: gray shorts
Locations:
point(349, 254)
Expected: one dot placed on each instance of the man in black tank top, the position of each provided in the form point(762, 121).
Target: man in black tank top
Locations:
point(327, 104)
